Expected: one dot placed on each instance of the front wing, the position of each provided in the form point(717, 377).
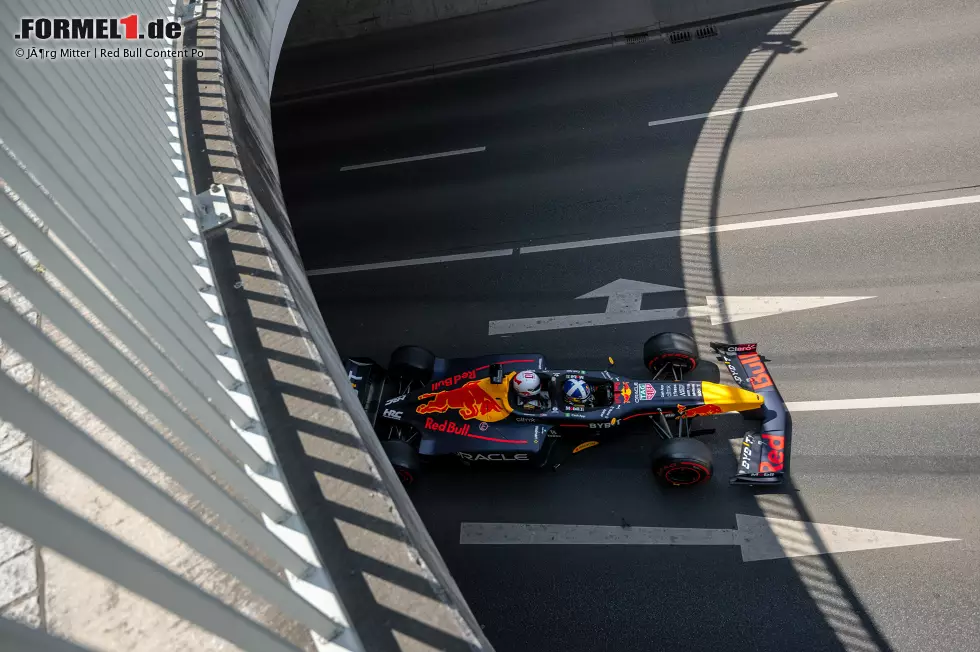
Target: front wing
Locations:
point(764, 455)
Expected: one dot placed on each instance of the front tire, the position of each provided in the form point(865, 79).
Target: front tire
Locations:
point(677, 351)
point(405, 460)
point(682, 462)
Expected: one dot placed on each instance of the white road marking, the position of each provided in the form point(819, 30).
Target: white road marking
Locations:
point(409, 159)
point(884, 402)
point(661, 235)
point(751, 107)
point(409, 262)
point(756, 224)
point(626, 295)
point(760, 538)
point(624, 308)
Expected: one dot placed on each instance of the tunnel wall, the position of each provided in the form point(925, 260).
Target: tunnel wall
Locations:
point(319, 20)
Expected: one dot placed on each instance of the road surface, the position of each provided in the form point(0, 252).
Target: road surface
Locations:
point(877, 156)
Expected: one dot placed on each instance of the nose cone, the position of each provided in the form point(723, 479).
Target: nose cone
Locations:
point(730, 399)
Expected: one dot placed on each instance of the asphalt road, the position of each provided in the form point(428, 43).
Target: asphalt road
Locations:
point(570, 157)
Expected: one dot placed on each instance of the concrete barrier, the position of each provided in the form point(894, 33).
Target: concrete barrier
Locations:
point(183, 464)
point(393, 580)
point(505, 37)
point(318, 20)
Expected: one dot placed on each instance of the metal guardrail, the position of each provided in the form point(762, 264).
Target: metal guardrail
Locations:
point(109, 251)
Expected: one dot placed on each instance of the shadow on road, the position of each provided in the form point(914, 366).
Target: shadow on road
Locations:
point(567, 168)
point(830, 592)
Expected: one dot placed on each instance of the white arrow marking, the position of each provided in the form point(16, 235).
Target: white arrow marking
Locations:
point(759, 537)
point(625, 297)
point(723, 310)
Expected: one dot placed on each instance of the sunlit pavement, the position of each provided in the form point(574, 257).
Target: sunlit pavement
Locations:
point(854, 175)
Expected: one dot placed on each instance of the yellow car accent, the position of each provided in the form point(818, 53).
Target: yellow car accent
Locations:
point(730, 399)
point(584, 445)
point(500, 393)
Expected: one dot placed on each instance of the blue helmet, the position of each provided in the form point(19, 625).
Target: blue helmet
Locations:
point(576, 390)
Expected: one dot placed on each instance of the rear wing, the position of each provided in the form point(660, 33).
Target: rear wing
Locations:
point(764, 455)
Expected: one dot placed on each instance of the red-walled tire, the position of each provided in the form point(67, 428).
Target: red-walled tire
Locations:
point(405, 460)
point(682, 462)
point(677, 349)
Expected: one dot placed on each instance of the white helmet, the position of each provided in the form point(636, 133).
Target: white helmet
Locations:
point(527, 384)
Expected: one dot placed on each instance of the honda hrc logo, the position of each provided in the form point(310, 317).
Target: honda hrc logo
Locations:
point(494, 457)
point(392, 414)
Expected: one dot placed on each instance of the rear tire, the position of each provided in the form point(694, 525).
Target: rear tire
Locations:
point(412, 363)
point(682, 462)
point(405, 460)
point(676, 349)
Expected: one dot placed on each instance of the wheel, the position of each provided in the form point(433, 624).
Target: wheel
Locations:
point(682, 462)
point(405, 460)
point(666, 353)
point(412, 363)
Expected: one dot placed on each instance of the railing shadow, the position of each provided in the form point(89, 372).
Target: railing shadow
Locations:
point(831, 593)
point(379, 573)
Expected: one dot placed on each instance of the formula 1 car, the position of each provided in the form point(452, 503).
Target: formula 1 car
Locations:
point(423, 407)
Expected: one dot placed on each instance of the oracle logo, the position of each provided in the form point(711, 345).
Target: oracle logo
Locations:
point(494, 457)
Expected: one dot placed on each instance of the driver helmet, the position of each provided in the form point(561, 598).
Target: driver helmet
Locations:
point(576, 390)
point(527, 384)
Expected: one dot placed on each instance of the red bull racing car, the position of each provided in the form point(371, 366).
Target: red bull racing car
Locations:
point(424, 407)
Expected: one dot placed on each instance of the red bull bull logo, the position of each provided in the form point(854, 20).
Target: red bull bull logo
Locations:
point(471, 400)
point(622, 392)
point(698, 411)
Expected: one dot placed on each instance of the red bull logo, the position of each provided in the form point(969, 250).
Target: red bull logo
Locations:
point(449, 381)
point(472, 401)
point(698, 411)
point(758, 374)
point(774, 463)
point(622, 392)
point(447, 427)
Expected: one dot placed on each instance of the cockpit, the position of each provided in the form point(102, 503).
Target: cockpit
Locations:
point(567, 391)
point(576, 390)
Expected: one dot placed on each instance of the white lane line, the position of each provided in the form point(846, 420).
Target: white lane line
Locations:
point(760, 537)
point(410, 262)
point(751, 107)
point(757, 224)
point(884, 402)
point(659, 235)
point(409, 159)
point(546, 534)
